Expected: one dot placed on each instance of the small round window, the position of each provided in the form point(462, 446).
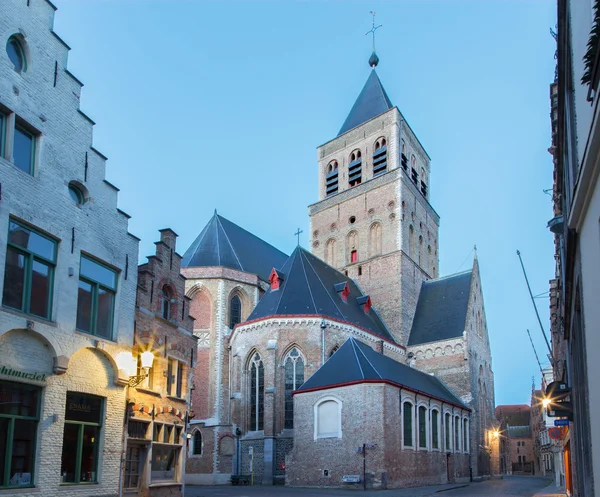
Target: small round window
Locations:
point(16, 54)
point(76, 194)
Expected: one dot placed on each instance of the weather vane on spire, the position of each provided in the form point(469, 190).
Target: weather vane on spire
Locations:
point(373, 60)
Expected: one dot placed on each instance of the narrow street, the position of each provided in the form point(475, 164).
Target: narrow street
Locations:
point(526, 486)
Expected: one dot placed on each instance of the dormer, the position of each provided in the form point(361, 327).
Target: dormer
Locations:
point(343, 290)
point(365, 302)
point(275, 279)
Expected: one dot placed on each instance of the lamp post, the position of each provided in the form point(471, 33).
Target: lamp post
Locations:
point(147, 358)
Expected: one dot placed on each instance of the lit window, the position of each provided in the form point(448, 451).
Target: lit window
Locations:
point(81, 438)
point(257, 394)
point(96, 298)
point(18, 430)
point(16, 54)
point(294, 377)
point(407, 416)
point(235, 311)
point(29, 271)
point(24, 149)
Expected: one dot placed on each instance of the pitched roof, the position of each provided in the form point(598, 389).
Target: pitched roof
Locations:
point(223, 243)
point(310, 286)
point(355, 362)
point(514, 415)
point(371, 102)
point(442, 309)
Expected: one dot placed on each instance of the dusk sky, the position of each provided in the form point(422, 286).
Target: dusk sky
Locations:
point(204, 105)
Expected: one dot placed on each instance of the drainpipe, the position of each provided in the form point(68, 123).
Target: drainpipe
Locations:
point(323, 326)
point(229, 386)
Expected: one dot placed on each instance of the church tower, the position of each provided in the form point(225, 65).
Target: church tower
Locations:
point(373, 219)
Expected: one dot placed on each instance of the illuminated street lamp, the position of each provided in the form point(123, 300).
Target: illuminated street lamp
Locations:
point(128, 364)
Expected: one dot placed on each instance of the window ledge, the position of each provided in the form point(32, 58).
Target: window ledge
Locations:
point(165, 484)
point(29, 317)
point(19, 490)
point(180, 399)
point(94, 337)
point(166, 321)
point(80, 484)
point(148, 391)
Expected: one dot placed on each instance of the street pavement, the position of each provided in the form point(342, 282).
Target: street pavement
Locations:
point(525, 486)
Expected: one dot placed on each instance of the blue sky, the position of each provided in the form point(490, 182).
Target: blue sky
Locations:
point(204, 105)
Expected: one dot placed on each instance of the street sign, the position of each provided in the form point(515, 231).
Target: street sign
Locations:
point(555, 433)
point(561, 422)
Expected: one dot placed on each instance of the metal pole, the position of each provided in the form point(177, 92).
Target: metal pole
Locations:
point(535, 352)
point(364, 466)
point(535, 307)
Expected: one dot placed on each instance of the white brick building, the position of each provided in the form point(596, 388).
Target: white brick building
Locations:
point(69, 273)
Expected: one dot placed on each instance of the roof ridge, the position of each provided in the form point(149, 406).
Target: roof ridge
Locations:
point(285, 282)
point(324, 287)
point(441, 278)
point(362, 373)
point(374, 368)
point(307, 283)
point(229, 242)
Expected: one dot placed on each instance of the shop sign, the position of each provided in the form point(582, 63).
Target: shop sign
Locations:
point(22, 374)
point(83, 407)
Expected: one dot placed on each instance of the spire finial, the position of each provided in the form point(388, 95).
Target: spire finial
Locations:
point(475, 251)
point(298, 235)
point(373, 60)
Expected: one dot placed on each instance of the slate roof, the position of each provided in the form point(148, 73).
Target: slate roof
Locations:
point(355, 362)
point(309, 288)
point(371, 102)
point(442, 309)
point(223, 243)
point(514, 415)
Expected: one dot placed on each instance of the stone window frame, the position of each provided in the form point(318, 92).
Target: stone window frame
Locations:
point(375, 239)
point(465, 435)
point(417, 426)
point(192, 453)
point(24, 52)
point(457, 433)
point(284, 359)
point(252, 359)
point(412, 403)
point(448, 431)
point(437, 409)
point(338, 433)
point(330, 245)
point(354, 248)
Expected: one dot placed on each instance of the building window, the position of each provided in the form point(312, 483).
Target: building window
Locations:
point(330, 252)
point(447, 423)
point(96, 299)
point(29, 271)
point(235, 311)
point(164, 462)
point(197, 444)
point(422, 427)
point(354, 256)
point(328, 418)
point(167, 295)
point(375, 239)
point(16, 54)
point(352, 247)
point(147, 382)
point(355, 169)
point(294, 377)
point(411, 242)
point(81, 437)
point(380, 157)
point(331, 178)
point(407, 416)
point(19, 416)
point(257, 394)
point(175, 370)
point(23, 149)
point(132, 467)
point(456, 433)
point(76, 193)
point(435, 436)
point(465, 434)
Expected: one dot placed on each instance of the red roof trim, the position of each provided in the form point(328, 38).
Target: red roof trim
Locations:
point(275, 316)
point(387, 382)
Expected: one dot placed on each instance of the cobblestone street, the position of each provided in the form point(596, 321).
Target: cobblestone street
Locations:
point(508, 486)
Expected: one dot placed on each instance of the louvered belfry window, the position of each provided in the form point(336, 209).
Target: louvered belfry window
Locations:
point(331, 180)
point(355, 169)
point(380, 157)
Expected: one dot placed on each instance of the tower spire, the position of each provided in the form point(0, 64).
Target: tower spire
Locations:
point(373, 60)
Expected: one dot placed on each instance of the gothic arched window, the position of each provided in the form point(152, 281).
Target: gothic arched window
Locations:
point(352, 249)
point(294, 377)
point(235, 311)
point(375, 239)
point(411, 241)
point(421, 253)
point(197, 444)
point(330, 252)
point(166, 302)
point(257, 393)
point(331, 178)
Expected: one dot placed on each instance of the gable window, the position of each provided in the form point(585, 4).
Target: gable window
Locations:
point(96, 298)
point(355, 169)
point(294, 377)
point(422, 427)
point(16, 54)
point(328, 419)
point(257, 394)
point(407, 416)
point(235, 311)
point(380, 157)
point(197, 444)
point(175, 370)
point(23, 149)
point(81, 438)
point(331, 178)
point(29, 271)
point(447, 423)
point(166, 302)
point(18, 428)
point(435, 436)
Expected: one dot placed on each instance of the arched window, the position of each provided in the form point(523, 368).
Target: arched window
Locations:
point(447, 423)
point(404, 159)
point(407, 416)
point(355, 169)
point(421, 252)
point(430, 259)
point(411, 242)
point(330, 252)
point(352, 249)
point(235, 311)
point(16, 54)
point(379, 157)
point(331, 178)
point(414, 174)
point(167, 295)
point(328, 418)
point(435, 435)
point(375, 239)
point(197, 444)
point(465, 435)
point(294, 377)
point(257, 393)
point(456, 434)
point(422, 427)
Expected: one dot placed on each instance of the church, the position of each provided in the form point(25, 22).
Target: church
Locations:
point(353, 363)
